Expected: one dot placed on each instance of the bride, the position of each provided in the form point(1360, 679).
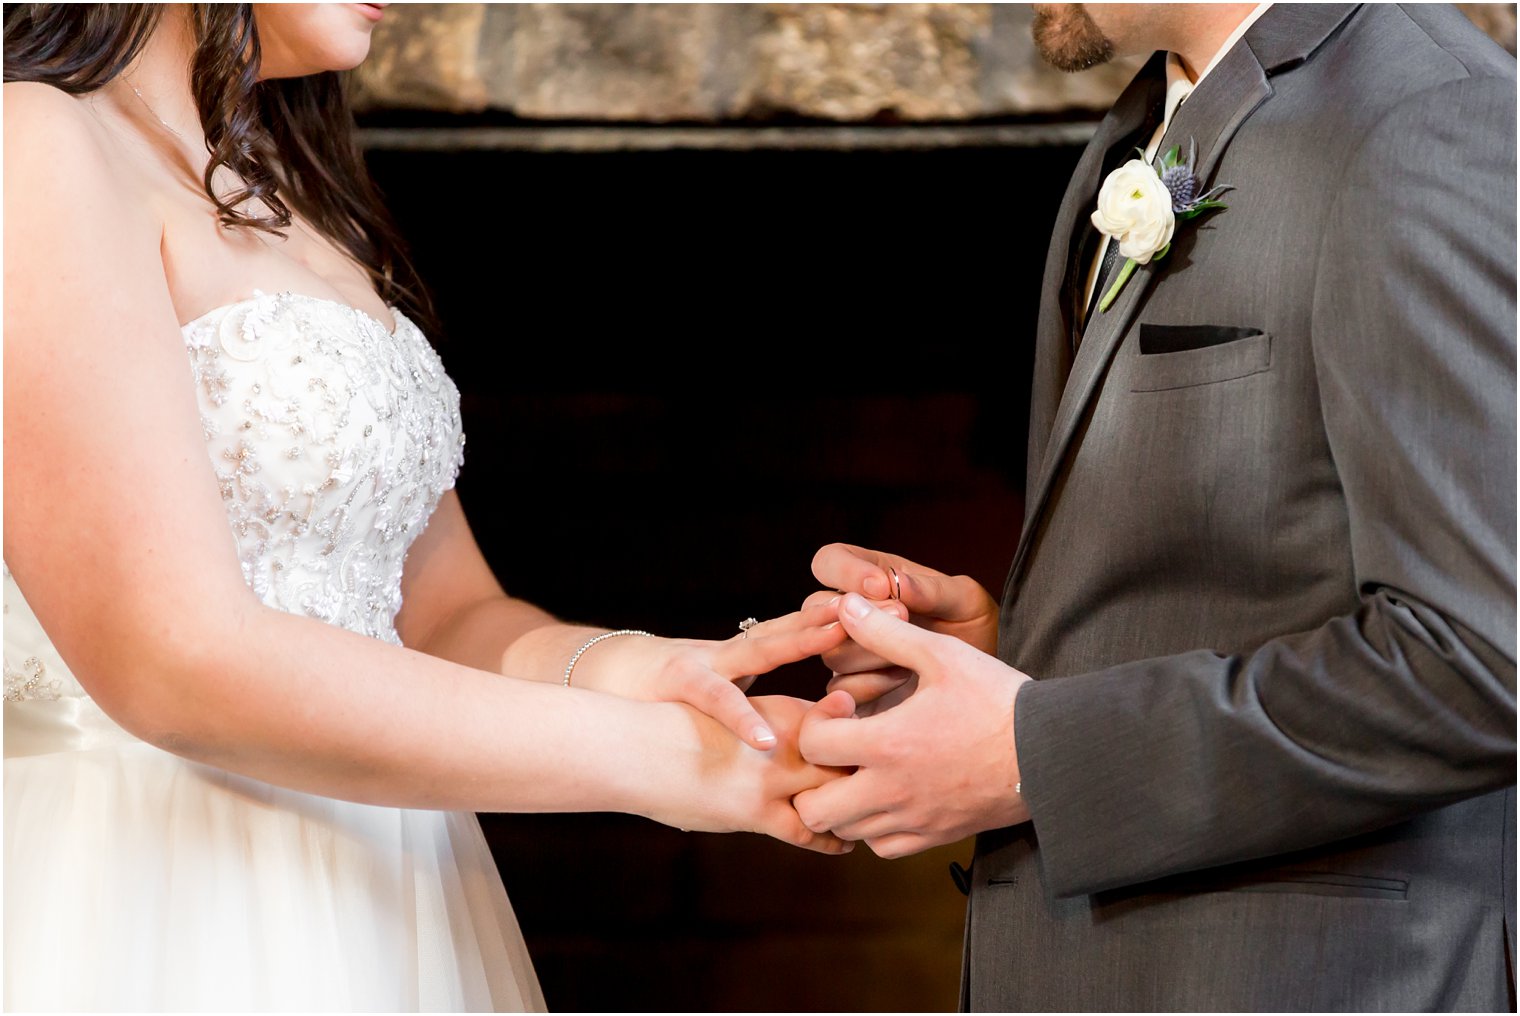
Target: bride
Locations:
point(261, 675)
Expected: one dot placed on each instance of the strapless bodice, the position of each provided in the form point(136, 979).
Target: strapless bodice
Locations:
point(332, 440)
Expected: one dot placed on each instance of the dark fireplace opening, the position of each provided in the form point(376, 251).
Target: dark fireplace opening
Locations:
point(683, 371)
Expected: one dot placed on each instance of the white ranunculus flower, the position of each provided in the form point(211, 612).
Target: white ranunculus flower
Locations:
point(1135, 208)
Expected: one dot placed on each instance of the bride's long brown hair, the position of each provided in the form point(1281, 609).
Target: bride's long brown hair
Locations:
point(290, 141)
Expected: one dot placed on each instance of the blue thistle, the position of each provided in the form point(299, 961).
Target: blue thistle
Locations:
point(1182, 185)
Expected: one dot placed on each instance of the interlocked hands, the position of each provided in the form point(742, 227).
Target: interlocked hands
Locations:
point(918, 707)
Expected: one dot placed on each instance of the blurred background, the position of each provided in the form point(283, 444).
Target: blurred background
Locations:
point(721, 283)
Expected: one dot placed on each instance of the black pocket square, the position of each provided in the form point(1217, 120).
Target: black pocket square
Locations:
point(1177, 338)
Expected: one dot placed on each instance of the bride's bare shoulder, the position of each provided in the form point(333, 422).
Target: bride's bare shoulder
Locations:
point(57, 152)
point(35, 111)
point(53, 142)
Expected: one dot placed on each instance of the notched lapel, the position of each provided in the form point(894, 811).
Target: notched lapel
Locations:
point(1211, 116)
point(1053, 360)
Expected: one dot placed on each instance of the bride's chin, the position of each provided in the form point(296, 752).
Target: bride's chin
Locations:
point(329, 58)
point(301, 39)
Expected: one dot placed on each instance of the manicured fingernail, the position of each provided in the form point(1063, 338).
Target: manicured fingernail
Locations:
point(764, 735)
point(849, 845)
point(831, 624)
point(856, 606)
point(832, 602)
point(877, 587)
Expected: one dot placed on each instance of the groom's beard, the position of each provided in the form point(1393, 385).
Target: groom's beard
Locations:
point(1068, 39)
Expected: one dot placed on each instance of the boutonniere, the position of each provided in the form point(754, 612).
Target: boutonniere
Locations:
point(1139, 207)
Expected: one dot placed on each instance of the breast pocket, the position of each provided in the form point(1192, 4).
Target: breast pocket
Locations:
point(1182, 356)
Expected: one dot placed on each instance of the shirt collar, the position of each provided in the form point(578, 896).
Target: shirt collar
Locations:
point(1179, 86)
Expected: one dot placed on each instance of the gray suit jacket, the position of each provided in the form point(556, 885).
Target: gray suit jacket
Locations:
point(1267, 574)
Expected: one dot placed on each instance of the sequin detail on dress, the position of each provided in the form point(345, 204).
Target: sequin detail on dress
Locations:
point(332, 440)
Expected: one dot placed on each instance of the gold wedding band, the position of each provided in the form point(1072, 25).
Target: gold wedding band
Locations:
point(896, 584)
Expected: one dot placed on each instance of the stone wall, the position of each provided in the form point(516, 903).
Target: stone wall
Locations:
point(658, 63)
point(716, 62)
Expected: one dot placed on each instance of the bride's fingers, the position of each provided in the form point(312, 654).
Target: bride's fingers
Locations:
point(850, 657)
point(821, 598)
point(761, 654)
point(785, 825)
point(726, 702)
point(870, 685)
point(814, 615)
point(821, 612)
point(828, 600)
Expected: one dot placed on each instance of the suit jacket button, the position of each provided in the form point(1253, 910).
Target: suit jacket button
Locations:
point(961, 877)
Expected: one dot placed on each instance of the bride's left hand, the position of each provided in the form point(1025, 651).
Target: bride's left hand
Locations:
point(712, 676)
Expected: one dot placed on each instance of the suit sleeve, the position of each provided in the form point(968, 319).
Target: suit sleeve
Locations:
point(1174, 764)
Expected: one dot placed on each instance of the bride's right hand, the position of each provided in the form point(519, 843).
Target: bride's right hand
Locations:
point(740, 789)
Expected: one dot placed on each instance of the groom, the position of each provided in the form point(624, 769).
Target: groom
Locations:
point(1266, 582)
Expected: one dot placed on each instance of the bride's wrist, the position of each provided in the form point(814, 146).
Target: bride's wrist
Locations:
point(677, 773)
point(617, 661)
point(603, 656)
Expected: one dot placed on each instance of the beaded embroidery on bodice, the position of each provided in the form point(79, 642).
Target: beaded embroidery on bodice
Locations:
point(332, 441)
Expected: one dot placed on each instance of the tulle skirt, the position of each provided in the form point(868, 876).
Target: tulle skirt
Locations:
point(137, 880)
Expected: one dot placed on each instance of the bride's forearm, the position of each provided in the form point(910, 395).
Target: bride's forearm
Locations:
point(493, 633)
point(304, 705)
point(511, 637)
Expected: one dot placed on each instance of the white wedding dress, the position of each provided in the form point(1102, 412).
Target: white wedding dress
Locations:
point(135, 879)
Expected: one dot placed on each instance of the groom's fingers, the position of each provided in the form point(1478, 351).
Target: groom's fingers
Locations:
point(900, 844)
point(901, 643)
point(853, 569)
point(786, 825)
point(827, 601)
point(830, 735)
point(871, 826)
point(933, 594)
point(851, 658)
point(839, 806)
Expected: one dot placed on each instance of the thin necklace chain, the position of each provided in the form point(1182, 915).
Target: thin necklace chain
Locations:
point(167, 125)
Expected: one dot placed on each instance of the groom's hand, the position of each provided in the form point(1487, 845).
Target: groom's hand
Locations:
point(939, 766)
point(957, 606)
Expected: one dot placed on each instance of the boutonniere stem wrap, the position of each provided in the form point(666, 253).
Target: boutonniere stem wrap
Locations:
point(1139, 207)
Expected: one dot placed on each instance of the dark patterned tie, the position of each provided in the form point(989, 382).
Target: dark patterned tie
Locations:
point(1111, 262)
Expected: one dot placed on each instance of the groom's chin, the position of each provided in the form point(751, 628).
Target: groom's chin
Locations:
point(1068, 39)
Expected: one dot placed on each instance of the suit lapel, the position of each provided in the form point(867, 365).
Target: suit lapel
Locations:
point(1053, 359)
point(1211, 115)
